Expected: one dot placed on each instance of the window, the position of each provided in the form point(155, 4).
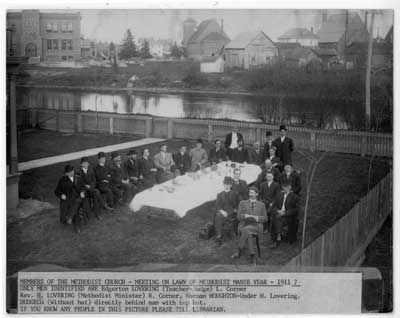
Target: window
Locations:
point(63, 27)
point(64, 58)
point(55, 27)
point(66, 45)
point(70, 58)
point(48, 27)
point(69, 27)
point(52, 45)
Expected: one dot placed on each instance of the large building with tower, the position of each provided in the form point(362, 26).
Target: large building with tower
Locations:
point(44, 36)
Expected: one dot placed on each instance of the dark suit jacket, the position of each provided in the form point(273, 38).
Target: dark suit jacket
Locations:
point(239, 155)
point(266, 149)
point(102, 174)
point(183, 163)
point(117, 173)
point(254, 157)
point(276, 160)
point(294, 179)
point(291, 204)
point(227, 201)
point(145, 165)
point(71, 189)
point(259, 210)
point(241, 189)
point(261, 176)
point(88, 178)
point(132, 168)
point(228, 139)
point(269, 194)
point(217, 156)
point(284, 150)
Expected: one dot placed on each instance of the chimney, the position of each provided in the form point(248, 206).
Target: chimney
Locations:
point(222, 25)
point(366, 20)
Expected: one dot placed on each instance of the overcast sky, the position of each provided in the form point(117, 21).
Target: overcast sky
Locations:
point(110, 25)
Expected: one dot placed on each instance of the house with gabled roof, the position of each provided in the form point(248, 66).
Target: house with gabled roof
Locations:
point(302, 36)
point(207, 40)
point(250, 50)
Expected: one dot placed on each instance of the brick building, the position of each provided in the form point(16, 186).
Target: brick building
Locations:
point(44, 36)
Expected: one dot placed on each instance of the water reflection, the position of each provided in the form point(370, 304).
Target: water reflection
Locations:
point(244, 108)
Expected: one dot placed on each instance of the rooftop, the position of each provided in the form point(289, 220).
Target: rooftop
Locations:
point(298, 33)
point(244, 39)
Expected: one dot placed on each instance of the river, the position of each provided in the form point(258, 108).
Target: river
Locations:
point(244, 108)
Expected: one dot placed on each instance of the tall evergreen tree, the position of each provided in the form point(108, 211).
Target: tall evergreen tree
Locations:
point(128, 49)
point(175, 51)
point(145, 50)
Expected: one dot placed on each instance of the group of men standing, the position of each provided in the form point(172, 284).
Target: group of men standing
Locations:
point(269, 205)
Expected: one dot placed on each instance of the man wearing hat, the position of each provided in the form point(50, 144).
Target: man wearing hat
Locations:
point(217, 154)
point(131, 167)
point(269, 143)
point(164, 163)
point(88, 180)
point(225, 215)
point(284, 146)
point(198, 156)
point(147, 169)
point(251, 215)
point(289, 175)
point(69, 191)
point(285, 210)
point(182, 160)
point(103, 179)
point(122, 189)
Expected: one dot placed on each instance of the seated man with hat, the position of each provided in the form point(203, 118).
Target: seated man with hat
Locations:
point(291, 176)
point(284, 146)
point(225, 215)
point(285, 210)
point(103, 179)
point(123, 190)
point(251, 215)
point(131, 167)
point(88, 180)
point(69, 191)
point(217, 154)
point(198, 156)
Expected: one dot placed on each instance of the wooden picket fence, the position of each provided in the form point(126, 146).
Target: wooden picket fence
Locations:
point(344, 243)
point(352, 142)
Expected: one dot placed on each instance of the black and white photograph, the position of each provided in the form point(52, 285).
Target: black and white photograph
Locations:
point(199, 140)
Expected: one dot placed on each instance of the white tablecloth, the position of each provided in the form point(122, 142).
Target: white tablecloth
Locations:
point(188, 192)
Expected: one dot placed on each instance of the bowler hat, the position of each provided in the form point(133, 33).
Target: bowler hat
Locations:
point(84, 159)
point(199, 141)
point(68, 168)
point(282, 127)
point(228, 180)
point(132, 152)
point(114, 155)
point(268, 133)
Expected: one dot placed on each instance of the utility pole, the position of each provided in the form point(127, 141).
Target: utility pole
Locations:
point(368, 75)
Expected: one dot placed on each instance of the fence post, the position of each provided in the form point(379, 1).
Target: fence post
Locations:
point(111, 125)
point(57, 120)
point(148, 127)
point(34, 117)
point(322, 252)
point(210, 133)
point(258, 135)
point(170, 132)
point(79, 122)
point(313, 140)
point(363, 145)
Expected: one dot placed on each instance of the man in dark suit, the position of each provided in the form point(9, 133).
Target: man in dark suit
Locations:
point(88, 180)
point(239, 186)
point(269, 143)
point(225, 216)
point(284, 146)
point(69, 191)
point(147, 169)
point(267, 167)
point(269, 190)
point(292, 177)
point(276, 161)
point(217, 154)
point(131, 167)
point(122, 188)
point(285, 210)
point(182, 161)
point(239, 154)
point(103, 179)
point(231, 140)
point(251, 215)
point(256, 154)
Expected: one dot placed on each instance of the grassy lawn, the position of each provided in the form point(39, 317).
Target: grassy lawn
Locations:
point(125, 238)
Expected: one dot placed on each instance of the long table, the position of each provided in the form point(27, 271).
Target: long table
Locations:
point(191, 189)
